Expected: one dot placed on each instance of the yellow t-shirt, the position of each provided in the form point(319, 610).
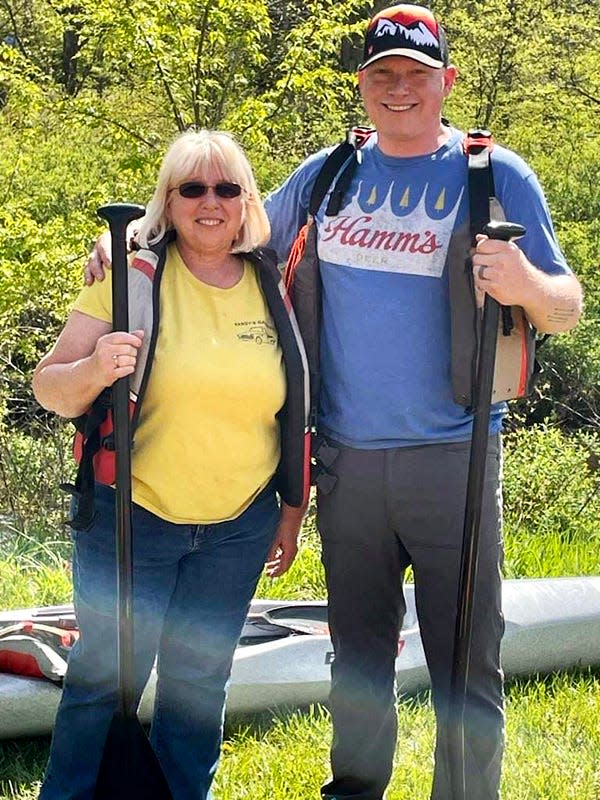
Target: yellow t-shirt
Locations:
point(208, 439)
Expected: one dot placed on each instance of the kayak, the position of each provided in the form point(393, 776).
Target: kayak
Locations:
point(285, 653)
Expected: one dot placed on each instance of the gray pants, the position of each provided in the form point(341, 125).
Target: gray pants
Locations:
point(391, 508)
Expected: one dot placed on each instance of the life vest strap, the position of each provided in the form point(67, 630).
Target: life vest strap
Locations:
point(295, 256)
point(90, 441)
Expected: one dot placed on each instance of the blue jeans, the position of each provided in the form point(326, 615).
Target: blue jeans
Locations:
point(192, 588)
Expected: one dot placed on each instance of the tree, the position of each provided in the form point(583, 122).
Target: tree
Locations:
point(91, 93)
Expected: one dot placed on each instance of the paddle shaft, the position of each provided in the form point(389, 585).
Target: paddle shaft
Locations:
point(118, 216)
point(504, 231)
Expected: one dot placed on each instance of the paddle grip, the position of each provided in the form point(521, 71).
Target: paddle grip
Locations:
point(504, 231)
point(118, 216)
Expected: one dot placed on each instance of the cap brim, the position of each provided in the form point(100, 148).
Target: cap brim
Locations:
point(415, 55)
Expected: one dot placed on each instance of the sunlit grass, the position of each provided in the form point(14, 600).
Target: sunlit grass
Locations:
point(553, 736)
point(553, 749)
point(32, 572)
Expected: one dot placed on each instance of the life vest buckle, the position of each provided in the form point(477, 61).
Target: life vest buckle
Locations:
point(476, 140)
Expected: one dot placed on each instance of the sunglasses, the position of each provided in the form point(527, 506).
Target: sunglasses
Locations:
point(194, 189)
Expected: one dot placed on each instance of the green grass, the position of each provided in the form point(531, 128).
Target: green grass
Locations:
point(553, 736)
point(553, 750)
point(32, 572)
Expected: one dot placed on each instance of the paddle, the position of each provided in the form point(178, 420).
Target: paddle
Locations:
point(505, 231)
point(129, 767)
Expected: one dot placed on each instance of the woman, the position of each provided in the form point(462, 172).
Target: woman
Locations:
point(219, 434)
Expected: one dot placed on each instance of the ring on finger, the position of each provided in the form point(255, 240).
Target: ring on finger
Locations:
point(115, 358)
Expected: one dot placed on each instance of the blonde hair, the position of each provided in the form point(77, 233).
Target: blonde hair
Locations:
point(195, 152)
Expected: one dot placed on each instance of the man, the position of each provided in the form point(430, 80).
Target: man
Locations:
point(386, 402)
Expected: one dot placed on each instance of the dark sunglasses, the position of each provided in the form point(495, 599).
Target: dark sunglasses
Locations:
point(194, 189)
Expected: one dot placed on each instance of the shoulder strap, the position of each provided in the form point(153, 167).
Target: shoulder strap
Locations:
point(292, 475)
point(331, 166)
point(344, 152)
point(478, 145)
point(160, 249)
point(262, 256)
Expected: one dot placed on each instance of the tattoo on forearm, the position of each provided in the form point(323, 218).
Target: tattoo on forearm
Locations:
point(562, 314)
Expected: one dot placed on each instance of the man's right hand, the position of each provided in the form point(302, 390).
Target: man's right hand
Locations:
point(99, 259)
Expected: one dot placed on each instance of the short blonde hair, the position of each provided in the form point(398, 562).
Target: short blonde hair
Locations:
point(191, 153)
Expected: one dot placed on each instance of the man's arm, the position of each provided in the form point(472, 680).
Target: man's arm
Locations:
point(101, 256)
point(552, 302)
point(287, 206)
point(99, 259)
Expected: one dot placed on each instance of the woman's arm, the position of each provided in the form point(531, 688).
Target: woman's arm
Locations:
point(285, 545)
point(86, 358)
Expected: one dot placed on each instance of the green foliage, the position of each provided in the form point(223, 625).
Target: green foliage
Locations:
point(107, 86)
point(551, 733)
point(524, 66)
point(31, 469)
point(551, 494)
point(134, 75)
point(27, 584)
point(202, 55)
point(90, 95)
point(552, 503)
point(47, 222)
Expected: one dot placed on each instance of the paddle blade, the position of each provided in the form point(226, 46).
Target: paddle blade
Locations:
point(129, 769)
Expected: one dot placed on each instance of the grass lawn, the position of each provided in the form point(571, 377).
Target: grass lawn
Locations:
point(553, 750)
point(553, 735)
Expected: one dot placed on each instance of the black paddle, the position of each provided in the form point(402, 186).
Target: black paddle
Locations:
point(505, 231)
point(129, 767)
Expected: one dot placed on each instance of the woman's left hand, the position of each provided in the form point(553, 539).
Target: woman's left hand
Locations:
point(285, 544)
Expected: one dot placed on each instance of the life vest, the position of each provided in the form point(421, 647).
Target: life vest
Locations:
point(94, 442)
point(516, 367)
point(36, 650)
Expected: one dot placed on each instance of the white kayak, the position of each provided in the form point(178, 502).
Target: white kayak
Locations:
point(285, 652)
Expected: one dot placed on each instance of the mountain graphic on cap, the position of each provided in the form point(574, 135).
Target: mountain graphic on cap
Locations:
point(406, 30)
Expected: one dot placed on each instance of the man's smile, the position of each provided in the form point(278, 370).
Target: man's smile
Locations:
point(403, 107)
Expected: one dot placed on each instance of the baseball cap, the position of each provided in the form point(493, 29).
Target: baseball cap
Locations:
point(406, 30)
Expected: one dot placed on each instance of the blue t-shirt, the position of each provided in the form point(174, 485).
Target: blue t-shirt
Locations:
point(385, 340)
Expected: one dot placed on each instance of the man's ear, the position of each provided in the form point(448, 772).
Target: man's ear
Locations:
point(360, 79)
point(450, 76)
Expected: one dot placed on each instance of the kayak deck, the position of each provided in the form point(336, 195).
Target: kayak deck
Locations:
point(285, 652)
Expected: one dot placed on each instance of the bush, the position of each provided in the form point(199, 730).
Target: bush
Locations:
point(551, 503)
point(31, 469)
